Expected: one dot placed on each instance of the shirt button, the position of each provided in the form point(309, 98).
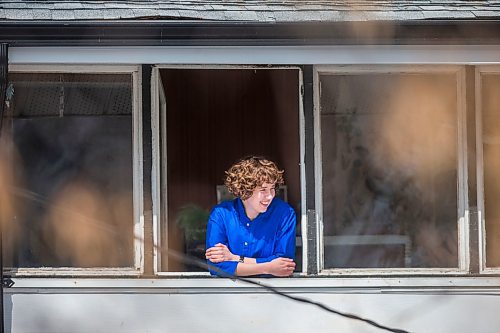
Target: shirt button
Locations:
point(246, 243)
point(248, 224)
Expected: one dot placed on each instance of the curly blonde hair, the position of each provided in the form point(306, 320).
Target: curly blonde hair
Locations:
point(246, 175)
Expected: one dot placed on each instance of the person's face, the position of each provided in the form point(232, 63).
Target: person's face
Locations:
point(260, 200)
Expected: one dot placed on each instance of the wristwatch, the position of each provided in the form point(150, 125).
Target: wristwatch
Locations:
point(242, 259)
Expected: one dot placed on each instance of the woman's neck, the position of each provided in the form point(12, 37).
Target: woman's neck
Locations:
point(251, 214)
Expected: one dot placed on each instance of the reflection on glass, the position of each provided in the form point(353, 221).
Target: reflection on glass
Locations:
point(389, 160)
point(71, 151)
point(490, 84)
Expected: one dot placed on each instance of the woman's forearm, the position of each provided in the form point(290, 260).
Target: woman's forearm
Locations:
point(276, 267)
point(247, 269)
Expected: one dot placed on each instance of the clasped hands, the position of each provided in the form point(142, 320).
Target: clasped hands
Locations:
point(277, 267)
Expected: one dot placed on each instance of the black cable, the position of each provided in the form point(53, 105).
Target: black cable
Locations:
point(200, 263)
point(179, 256)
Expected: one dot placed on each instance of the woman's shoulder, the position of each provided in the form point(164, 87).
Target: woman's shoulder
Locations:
point(226, 206)
point(282, 206)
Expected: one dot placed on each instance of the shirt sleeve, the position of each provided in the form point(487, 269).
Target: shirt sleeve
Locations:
point(216, 233)
point(285, 244)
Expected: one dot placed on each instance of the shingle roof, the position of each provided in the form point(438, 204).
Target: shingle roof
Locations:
point(249, 10)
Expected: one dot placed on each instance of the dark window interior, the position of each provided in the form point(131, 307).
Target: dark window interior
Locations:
point(214, 117)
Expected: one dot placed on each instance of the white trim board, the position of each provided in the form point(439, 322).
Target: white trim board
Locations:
point(377, 284)
point(340, 54)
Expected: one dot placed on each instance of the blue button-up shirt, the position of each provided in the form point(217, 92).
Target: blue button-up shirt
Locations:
point(270, 235)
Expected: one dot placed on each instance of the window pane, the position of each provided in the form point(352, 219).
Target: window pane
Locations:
point(491, 150)
point(389, 170)
point(71, 139)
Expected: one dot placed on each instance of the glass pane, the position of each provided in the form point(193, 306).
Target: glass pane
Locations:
point(491, 150)
point(389, 170)
point(71, 155)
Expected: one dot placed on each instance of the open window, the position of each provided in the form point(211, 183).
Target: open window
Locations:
point(207, 119)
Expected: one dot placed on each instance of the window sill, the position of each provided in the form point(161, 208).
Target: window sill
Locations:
point(296, 284)
point(51, 272)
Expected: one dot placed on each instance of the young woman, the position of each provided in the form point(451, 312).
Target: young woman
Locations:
point(253, 234)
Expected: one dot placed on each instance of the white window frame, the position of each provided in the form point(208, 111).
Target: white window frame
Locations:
point(137, 183)
point(158, 128)
point(479, 70)
point(462, 196)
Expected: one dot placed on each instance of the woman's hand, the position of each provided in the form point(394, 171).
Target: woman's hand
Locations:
point(220, 253)
point(281, 267)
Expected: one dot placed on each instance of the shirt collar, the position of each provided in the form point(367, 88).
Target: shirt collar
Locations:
point(241, 210)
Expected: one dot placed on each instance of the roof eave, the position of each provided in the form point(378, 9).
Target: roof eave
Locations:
point(194, 32)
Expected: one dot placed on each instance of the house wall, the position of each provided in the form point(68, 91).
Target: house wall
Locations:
point(220, 305)
point(429, 303)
